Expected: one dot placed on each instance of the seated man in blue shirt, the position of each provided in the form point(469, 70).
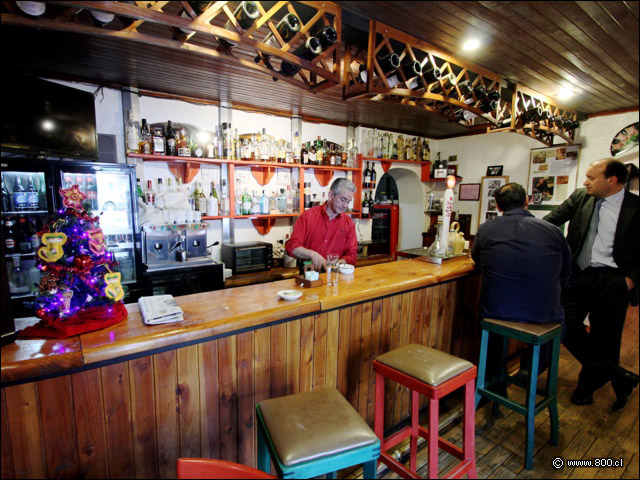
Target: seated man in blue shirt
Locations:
point(525, 262)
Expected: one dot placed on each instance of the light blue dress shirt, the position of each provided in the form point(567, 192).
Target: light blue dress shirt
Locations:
point(602, 253)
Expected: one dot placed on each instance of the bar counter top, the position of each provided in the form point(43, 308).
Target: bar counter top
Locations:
point(220, 313)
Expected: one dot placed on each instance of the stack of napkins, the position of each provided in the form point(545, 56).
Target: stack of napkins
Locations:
point(160, 309)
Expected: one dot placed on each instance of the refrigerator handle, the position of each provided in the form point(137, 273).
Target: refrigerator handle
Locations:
point(54, 202)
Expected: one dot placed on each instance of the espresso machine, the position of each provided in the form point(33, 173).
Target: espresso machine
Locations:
point(175, 260)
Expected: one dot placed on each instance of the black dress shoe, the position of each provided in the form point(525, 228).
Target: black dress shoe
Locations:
point(581, 396)
point(623, 385)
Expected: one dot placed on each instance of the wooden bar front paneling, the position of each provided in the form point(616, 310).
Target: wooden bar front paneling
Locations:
point(135, 417)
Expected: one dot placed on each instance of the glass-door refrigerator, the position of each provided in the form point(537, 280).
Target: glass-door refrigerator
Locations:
point(30, 196)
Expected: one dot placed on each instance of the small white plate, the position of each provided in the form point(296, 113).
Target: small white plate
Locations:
point(346, 269)
point(289, 294)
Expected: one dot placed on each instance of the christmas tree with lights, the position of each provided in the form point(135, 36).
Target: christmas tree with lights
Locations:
point(80, 289)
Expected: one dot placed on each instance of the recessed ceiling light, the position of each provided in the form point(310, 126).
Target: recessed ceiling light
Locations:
point(471, 44)
point(564, 93)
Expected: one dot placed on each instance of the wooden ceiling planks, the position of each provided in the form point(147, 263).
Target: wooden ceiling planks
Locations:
point(541, 45)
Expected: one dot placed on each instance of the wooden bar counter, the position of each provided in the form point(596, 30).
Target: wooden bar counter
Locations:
point(129, 400)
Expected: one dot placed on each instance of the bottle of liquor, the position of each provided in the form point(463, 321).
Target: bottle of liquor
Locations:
point(311, 157)
point(388, 63)
point(24, 236)
point(19, 195)
point(92, 194)
point(226, 206)
point(80, 182)
point(246, 203)
point(246, 14)
point(6, 199)
point(319, 151)
point(160, 186)
point(101, 19)
point(139, 192)
point(196, 197)
point(264, 204)
point(202, 201)
point(200, 7)
point(296, 199)
point(9, 238)
point(487, 105)
point(307, 194)
point(432, 74)
point(307, 51)
point(159, 143)
point(465, 89)
point(400, 147)
point(237, 145)
point(426, 151)
point(365, 207)
point(133, 139)
point(255, 203)
point(532, 114)
point(212, 203)
point(287, 27)
point(32, 195)
point(411, 69)
point(182, 145)
point(371, 203)
point(150, 194)
point(374, 176)
point(172, 149)
point(367, 177)
point(480, 91)
point(327, 36)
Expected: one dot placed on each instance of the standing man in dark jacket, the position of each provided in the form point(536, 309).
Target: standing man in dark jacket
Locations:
point(603, 236)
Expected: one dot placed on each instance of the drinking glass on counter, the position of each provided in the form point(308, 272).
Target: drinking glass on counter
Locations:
point(332, 267)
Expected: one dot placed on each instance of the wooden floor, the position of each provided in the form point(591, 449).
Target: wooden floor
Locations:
point(586, 432)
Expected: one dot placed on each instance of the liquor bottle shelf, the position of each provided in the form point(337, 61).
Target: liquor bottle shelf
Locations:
point(242, 163)
point(386, 162)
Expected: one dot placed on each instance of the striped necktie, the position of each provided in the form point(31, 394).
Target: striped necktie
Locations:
point(584, 259)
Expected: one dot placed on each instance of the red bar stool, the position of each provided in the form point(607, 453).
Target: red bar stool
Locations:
point(434, 374)
point(211, 468)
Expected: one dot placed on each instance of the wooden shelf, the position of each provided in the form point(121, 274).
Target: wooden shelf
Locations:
point(386, 162)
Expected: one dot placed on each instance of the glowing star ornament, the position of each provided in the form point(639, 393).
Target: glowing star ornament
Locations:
point(114, 289)
point(72, 197)
point(52, 250)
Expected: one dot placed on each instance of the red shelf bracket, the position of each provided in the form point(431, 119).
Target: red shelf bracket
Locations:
point(323, 176)
point(263, 175)
point(263, 225)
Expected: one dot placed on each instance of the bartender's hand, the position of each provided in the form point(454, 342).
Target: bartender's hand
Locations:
point(318, 261)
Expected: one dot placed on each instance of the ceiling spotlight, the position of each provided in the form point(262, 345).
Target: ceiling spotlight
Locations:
point(471, 44)
point(565, 93)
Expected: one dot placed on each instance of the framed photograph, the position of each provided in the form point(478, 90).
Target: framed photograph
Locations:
point(494, 171)
point(440, 173)
point(469, 192)
point(488, 186)
point(552, 175)
point(452, 170)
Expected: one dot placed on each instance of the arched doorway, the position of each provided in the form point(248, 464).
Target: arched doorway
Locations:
point(404, 185)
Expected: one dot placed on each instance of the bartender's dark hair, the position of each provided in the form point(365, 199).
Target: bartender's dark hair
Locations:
point(510, 196)
point(342, 182)
point(615, 168)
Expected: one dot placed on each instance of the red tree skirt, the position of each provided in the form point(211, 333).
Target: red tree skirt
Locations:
point(86, 320)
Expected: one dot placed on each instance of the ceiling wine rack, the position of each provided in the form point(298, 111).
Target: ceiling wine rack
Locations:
point(534, 115)
point(399, 68)
point(295, 42)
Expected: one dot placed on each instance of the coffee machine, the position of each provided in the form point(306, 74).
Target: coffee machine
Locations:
point(175, 260)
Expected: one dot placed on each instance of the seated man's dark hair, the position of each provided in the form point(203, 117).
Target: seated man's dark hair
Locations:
point(510, 196)
point(616, 168)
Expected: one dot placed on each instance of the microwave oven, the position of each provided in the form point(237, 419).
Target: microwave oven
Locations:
point(247, 256)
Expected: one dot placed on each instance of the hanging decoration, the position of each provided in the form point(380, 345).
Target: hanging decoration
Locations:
point(80, 289)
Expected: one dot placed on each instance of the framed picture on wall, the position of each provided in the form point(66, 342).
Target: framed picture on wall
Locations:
point(488, 208)
point(469, 192)
point(552, 175)
point(494, 171)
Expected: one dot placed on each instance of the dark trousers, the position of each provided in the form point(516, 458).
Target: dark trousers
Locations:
point(602, 294)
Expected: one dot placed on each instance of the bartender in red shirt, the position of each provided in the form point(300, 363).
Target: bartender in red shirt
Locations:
point(326, 229)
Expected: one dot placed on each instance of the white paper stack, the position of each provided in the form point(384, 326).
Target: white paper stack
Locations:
point(160, 309)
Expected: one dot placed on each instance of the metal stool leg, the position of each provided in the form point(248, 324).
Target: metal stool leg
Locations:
point(552, 389)
point(482, 363)
point(531, 406)
point(433, 437)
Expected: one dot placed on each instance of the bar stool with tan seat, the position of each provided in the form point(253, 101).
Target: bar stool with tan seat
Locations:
point(434, 374)
point(314, 433)
point(535, 334)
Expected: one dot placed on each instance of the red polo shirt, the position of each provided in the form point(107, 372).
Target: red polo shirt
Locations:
point(314, 230)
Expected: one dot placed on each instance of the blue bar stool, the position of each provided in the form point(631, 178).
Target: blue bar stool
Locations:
point(314, 433)
point(536, 335)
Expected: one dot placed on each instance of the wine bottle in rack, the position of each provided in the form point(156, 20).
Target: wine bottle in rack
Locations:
point(365, 207)
point(327, 36)
point(367, 177)
point(287, 27)
point(432, 74)
point(372, 183)
point(307, 51)
point(246, 14)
